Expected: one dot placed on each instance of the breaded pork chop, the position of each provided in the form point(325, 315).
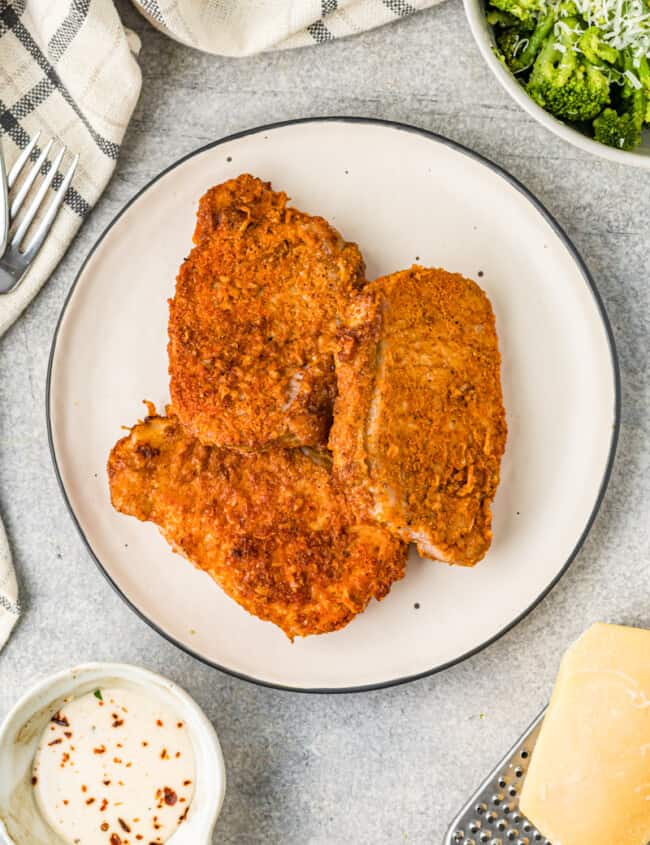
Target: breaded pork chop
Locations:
point(419, 424)
point(271, 527)
point(253, 322)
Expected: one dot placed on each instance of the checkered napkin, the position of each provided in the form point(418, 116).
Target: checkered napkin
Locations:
point(68, 69)
point(242, 27)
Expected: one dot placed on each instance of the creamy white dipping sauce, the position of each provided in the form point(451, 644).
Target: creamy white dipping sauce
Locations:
point(114, 767)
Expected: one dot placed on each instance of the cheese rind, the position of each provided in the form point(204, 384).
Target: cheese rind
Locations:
point(589, 776)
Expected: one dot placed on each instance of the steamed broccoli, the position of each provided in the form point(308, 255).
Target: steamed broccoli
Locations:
point(526, 11)
point(567, 62)
point(617, 130)
point(622, 129)
point(496, 17)
point(519, 48)
point(563, 81)
point(595, 48)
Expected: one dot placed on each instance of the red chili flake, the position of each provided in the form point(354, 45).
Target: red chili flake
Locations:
point(170, 796)
point(187, 782)
point(67, 734)
point(139, 836)
point(115, 839)
point(144, 744)
point(104, 826)
point(128, 765)
point(119, 745)
point(101, 749)
point(104, 805)
point(178, 754)
point(84, 788)
point(179, 724)
point(106, 782)
point(60, 719)
point(124, 825)
point(163, 754)
point(183, 815)
point(64, 758)
point(117, 723)
point(34, 780)
point(66, 802)
point(159, 723)
point(90, 801)
point(116, 760)
point(55, 741)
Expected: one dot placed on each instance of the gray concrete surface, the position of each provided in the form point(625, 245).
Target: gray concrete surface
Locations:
point(390, 766)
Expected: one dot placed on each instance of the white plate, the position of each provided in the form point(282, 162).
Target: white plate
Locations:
point(404, 195)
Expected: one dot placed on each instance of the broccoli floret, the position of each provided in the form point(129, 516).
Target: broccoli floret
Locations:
point(526, 11)
point(595, 49)
point(495, 17)
point(622, 129)
point(617, 130)
point(519, 48)
point(640, 68)
point(564, 82)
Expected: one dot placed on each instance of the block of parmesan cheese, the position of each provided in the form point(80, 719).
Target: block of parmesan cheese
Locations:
point(589, 776)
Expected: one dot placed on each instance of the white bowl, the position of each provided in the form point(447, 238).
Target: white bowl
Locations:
point(20, 820)
point(483, 35)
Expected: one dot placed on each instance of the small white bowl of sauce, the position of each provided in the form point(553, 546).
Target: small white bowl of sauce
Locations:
point(109, 754)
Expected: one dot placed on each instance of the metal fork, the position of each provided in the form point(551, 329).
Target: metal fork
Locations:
point(15, 262)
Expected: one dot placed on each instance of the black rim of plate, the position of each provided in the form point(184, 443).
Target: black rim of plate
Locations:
point(559, 231)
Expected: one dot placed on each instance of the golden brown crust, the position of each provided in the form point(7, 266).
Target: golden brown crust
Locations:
point(419, 424)
point(253, 322)
point(271, 528)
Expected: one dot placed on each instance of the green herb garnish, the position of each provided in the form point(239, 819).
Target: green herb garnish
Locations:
point(98, 694)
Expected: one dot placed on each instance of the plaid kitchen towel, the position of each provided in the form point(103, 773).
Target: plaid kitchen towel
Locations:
point(242, 27)
point(67, 69)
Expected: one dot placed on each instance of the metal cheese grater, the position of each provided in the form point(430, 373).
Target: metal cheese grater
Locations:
point(491, 816)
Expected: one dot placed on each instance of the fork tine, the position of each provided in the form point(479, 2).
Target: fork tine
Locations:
point(44, 226)
point(20, 161)
point(19, 199)
point(35, 204)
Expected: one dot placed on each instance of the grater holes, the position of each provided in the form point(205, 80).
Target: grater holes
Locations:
point(475, 826)
point(497, 798)
point(502, 782)
point(496, 842)
point(524, 841)
point(481, 808)
point(516, 818)
point(524, 754)
point(512, 791)
point(459, 836)
point(501, 825)
point(518, 771)
point(491, 817)
point(512, 835)
point(485, 836)
point(527, 827)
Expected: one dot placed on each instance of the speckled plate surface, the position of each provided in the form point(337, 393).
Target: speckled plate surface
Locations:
point(404, 195)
